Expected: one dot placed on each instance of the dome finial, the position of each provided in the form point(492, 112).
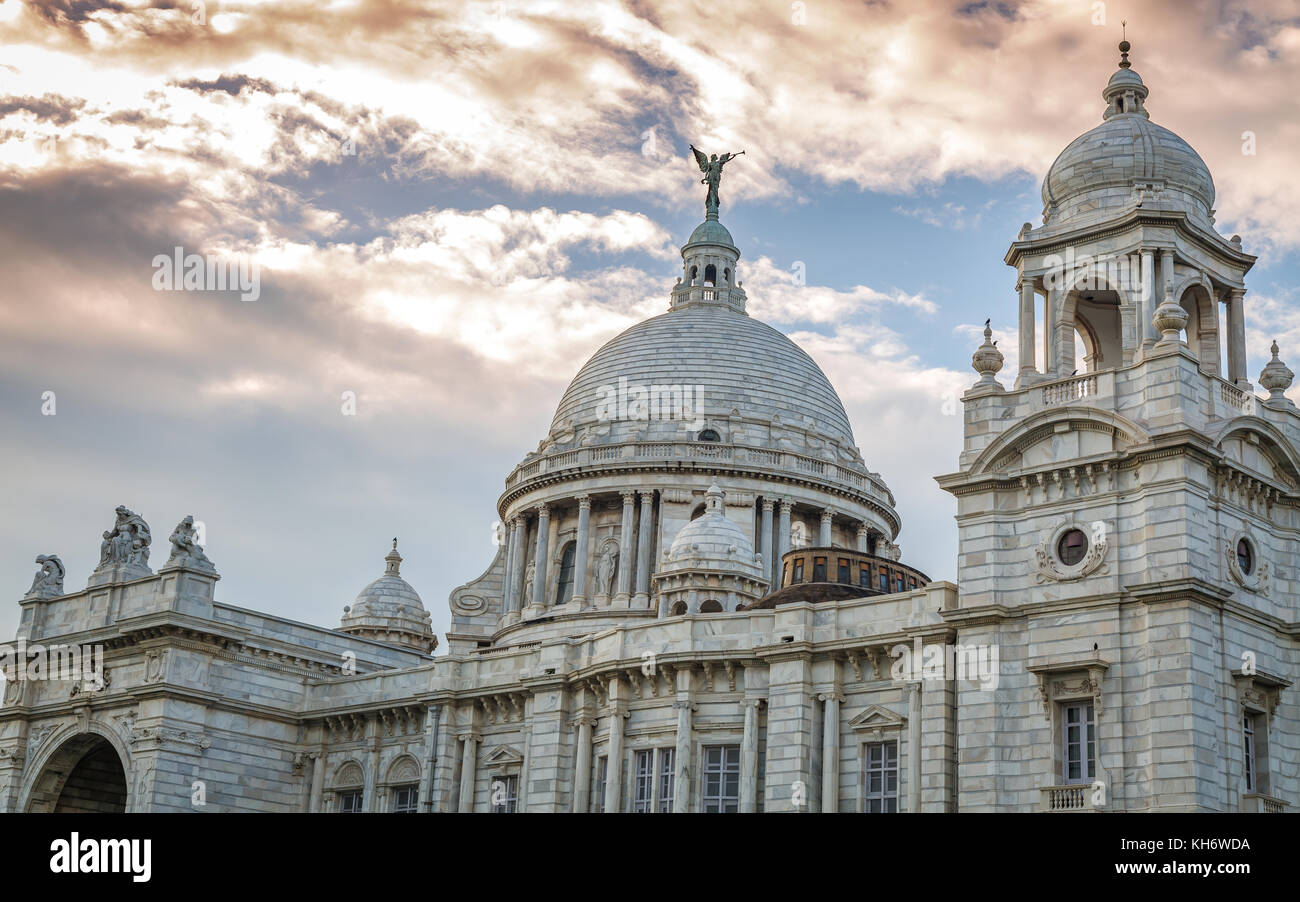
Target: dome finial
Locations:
point(392, 561)
point(1124, 46)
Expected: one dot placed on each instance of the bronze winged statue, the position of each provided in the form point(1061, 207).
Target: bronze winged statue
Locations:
point(712, 169)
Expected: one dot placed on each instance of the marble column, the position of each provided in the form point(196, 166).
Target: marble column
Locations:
point(824, 534)
point(831, 754)
point(539, 556)
point(516, 565)
point(508, 541)
point(749, 758)
point(1237, 338)
point(783, 531)
point(1049, 331)
point(914, 747)
point(371, 798)
point(317, 780)
point(1028, 366)
point(643, 543)
point(581, 554)
point(623, 595)
point(685, 706)
point(614, 764)
point(864, 537)
point(433, 717)
point(765, 545)
point(469, 758)
point(582, 772)
point(1146, 313)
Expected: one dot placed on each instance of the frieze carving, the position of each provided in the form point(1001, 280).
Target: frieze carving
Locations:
point(167, 735)
point(92, 686)
point(37, 738)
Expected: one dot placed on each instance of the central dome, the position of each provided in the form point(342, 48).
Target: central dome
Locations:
point(733, 368)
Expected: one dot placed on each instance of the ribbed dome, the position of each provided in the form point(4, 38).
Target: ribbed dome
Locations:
point(711, 541)
point(1126, 161)
point(737, 362)
point(710, 232)
point(390, 610)
point(1099, 169)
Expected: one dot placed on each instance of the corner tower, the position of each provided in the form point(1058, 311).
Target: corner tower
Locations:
point(1128, 522)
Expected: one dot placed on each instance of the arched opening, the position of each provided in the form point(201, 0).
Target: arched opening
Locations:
point(85, 776)
point(726, 277)
point(712, 606)
point(564, 589)
point(710, 275)
point(698, 512)
point(1202, 329)
point(678, 609)
point(709, 435)
point(695, 271)
point(1095, 315)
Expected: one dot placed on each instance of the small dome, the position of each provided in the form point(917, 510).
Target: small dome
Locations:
point(1126, 161)
point(710, 232)
point(712, 542)
point(389, 610)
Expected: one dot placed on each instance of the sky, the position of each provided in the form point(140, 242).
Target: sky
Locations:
point(450, 206)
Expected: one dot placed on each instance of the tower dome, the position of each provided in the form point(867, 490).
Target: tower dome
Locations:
point(1127, 161)
point(389, 610)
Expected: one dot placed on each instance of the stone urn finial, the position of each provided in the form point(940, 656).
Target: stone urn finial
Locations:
point(1276, 377)
point(987, 359)
point(1170, 319)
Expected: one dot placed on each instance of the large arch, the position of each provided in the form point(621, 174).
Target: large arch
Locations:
point(1202, 327)
point(84, 774)
point(1092, 308)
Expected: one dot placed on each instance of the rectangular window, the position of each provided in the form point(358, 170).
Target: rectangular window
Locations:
point(798, 570)
point(406, 799)
point(902, 586)
point(1248, 734)
point(667, 775)
point(881, 778)
point(1078, 743)
point(350, 801)
point(505, 794)
point(643, 785)
point(721, 793)
point(844, 571)
point(864, 577)
point(602, 769)
point(884, 579)
point(819, 570)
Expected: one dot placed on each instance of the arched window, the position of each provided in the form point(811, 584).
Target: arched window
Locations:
point(564, 589)
point(712, 606)
point(678, 609)
point(710, 275)
point(695, 271)
point(726, 277)
point(709, 435)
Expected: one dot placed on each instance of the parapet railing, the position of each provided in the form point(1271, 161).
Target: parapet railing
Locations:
point(634, 452)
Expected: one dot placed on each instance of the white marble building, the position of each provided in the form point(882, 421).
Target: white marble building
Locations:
point(697, 603)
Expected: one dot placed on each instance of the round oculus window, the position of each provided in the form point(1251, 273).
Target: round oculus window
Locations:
point(1245, 557)
point(1072, 546)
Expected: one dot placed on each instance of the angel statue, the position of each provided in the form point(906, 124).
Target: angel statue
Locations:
point(712, 169)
